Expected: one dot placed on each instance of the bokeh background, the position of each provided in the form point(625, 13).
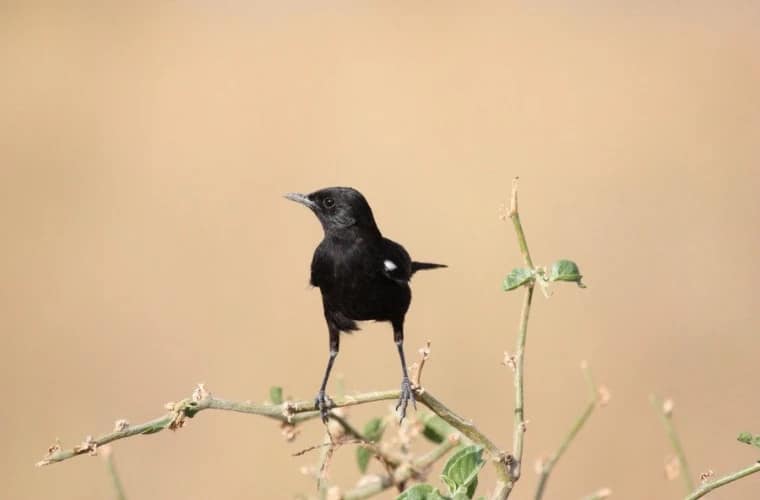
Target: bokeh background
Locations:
point(145, 245)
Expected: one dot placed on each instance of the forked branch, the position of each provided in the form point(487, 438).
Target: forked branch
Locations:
point(289, 412)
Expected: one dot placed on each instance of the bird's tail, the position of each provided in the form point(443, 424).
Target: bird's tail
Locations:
point(420, 266)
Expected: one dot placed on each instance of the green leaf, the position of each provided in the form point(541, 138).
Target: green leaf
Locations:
point(745, 437)
point(362, 458)
point(748, 438)
point(373, 431)
point(462, 468)
point(518, 277)
point(435, 428)
point(420, 492)
point(472, 487)
point(275, 394)
point(566, 270)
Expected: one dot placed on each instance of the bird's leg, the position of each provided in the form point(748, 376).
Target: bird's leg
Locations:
point(322, 402)
point(407, 393)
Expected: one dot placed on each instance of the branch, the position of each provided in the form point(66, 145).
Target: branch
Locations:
point(730, 478)
point(289, 412)
point(548, 466)
point(503, 490)
point(665, 409)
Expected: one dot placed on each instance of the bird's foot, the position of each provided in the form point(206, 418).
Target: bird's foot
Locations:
point(407, 394)
point(323, 403)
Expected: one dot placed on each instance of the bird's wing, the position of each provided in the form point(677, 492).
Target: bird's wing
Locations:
point(395, 261)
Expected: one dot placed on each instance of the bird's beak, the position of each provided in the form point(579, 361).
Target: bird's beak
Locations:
point(302, 199)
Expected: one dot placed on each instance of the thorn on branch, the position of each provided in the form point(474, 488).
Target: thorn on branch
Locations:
point(200, 393)
point(54, 447)
point(705, 476)
point(510, 361)
point(120, 425)
point(288, 410)
point(88, 445)
point(52, 450)
point(417, 367)
point(179, 417)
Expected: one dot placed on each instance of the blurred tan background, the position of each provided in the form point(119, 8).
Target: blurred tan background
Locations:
point(146, 246)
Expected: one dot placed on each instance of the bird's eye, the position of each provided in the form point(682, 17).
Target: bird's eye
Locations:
point(328, 202)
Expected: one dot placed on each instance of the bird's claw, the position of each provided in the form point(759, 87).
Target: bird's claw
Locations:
point(323, 403)
point(407, 394)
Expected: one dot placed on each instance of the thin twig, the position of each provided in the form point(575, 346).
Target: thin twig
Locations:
point(666, 413)
point(730, 478)
point(514, 214)
point(118, 488)
point(403, 473)
point(548, 465)
point(324, 462)
point(388, 460)
point(416, 368)
point(502, 490)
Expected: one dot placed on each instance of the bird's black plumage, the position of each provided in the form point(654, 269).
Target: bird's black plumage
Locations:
point(361, 274)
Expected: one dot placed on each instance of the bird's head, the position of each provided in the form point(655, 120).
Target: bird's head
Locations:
point(338, 208)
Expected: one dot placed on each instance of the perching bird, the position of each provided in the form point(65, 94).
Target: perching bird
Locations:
point(362, 276)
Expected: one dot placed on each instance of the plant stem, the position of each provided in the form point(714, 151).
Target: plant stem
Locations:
point(675, 442)
point(514, 214)
point(730, 478)
point(548, 466)
point(519, 425)
point(503, 491)
point(117, 486)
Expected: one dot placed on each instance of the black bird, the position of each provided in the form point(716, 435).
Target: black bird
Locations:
point(361, 274)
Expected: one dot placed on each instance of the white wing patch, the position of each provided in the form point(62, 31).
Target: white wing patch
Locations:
point(389, 265)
